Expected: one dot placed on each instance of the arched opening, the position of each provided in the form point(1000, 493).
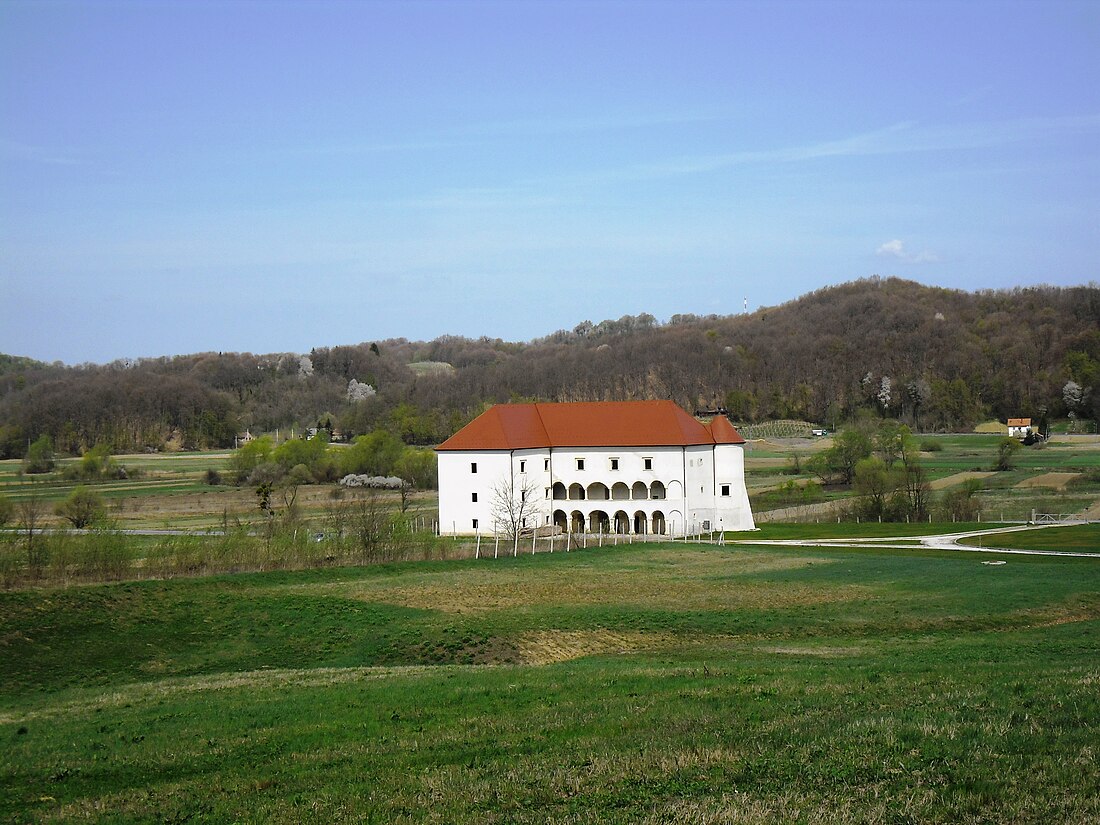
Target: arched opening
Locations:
point(620, 492)
point(640, 523)
point(561, 521)
point(658, 522)
point(622, 522)
point(598, 491)
point(559, 491)
point(598, 522)
point(639, 491)
point(675, 489)
point(576, 492)
point(676, 522)
point(576, 521)
point(656, 490)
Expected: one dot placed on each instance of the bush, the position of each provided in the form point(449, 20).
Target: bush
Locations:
point(82, 507)
point(931, 446)
point(7, 511)
point(212, 478)
point(39, 458)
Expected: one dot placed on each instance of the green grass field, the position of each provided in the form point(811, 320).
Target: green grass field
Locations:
point(653, 683)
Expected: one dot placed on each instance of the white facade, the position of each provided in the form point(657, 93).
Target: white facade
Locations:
point(669, 490)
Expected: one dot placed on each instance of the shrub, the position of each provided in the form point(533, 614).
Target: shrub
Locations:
point(212, 478)
point(7, 511)
point(82, 507)
point(39, 458)
point(929, 445)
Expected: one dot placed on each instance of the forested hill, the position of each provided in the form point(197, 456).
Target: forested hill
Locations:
point(937, 358)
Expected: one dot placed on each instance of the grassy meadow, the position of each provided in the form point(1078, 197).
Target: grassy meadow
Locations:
point(648, 683)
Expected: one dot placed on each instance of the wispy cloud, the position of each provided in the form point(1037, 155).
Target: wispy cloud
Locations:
point(896, 249)
point(899, 138)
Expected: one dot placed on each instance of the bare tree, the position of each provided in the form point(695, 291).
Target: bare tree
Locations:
point(514, 506)
point(32, 509)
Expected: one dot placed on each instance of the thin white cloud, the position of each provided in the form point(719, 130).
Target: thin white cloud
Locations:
point(904, 137)
point(896, 249)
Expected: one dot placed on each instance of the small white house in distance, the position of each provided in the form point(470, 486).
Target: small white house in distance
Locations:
point(597, 467)
point(1018, 427)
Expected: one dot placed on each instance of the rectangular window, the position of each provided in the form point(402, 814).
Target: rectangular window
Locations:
point(547, 493)
point(523, 466)
point(647, 463)
point(475, 523)
point(725, 489)
point(523, 495)
point(473, 466)
point(614, 463)
point(580, 463)
point(473, 496)
point(523, 523)
point(546, 465)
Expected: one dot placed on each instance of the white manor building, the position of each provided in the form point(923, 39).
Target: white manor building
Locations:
point(596, 467)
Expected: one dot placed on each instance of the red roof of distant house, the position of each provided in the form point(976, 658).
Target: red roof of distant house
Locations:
point(1019, 422)
point(589, 424)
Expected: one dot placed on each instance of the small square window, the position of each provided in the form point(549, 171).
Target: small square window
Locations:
point(725, 489)
point(473, 466)
point(614, 464)
point(473, 496)
point(523, 466)
point(647, 463)
point(475, 523)
point(580, 463)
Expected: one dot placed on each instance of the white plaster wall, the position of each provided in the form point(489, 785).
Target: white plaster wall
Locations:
point(456, 484)
point(697, 470)
point(733, 512)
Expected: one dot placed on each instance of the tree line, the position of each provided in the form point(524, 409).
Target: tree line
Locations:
point(934, 359)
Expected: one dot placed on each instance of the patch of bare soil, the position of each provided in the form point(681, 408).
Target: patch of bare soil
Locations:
point(1054, 481)
point(957, 478)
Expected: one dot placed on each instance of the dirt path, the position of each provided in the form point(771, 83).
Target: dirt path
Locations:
point(944, 541)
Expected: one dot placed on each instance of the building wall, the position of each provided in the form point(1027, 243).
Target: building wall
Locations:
point(689, 481)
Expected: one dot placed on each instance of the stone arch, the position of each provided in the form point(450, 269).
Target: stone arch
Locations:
point(675, 522)
point(657, 490)
point(640, 523)
point(658, 525)
point(576, 522)
point(639, 491)
point(559, 491)
point(598, 522)
point(597, 491)
point(620, 492)
point(561, 520)
point(622, 522)
point(576, 492)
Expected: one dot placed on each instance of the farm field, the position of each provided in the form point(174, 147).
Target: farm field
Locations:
point(650, 683)
point(1062, 476)
point(169, 492)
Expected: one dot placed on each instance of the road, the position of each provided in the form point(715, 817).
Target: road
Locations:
point(944, 541)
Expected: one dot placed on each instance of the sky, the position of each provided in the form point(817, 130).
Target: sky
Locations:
point(180, 177)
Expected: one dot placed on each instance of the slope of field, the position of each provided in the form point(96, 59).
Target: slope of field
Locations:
point(649, 684)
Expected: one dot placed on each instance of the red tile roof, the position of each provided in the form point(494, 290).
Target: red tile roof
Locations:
point(588, 424)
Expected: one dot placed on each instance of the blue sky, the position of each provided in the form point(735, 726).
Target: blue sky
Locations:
point(181, 177)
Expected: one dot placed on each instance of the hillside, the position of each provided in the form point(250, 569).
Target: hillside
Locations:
point(936, 358)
